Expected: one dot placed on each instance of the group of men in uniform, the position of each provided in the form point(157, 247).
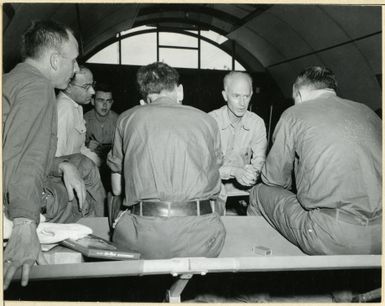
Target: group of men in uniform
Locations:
point(174, 165)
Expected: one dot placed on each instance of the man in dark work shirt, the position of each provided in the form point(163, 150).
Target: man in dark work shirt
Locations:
point(169, 155)
point(35, 183)
point(334, 147)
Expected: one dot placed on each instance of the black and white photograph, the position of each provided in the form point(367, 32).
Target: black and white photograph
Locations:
point(176, 152)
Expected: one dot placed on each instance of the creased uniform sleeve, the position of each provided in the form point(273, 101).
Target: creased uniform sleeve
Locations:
point(259, 145)
point(64, 126)
point(115, 156)
point(279, 163)
point(91, 155)
point(218, 146)
point(26, 146)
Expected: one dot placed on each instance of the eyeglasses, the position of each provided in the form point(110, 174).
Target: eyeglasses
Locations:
point(86, 87)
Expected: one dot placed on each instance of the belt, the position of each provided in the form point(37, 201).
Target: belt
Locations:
point(173, 209)
point(348, 217)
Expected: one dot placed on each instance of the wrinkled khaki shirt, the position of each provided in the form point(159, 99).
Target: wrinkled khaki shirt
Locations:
point(29, 140)
point(242, 145)
point(167, 151)
point(334, 146)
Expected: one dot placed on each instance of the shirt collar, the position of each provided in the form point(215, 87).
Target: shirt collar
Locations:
point(164, 100)
point(227, 123)
point(70, 99)
point(322, 93)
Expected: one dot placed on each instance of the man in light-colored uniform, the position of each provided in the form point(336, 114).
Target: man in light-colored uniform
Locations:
point(71, 125)
point(243, 137)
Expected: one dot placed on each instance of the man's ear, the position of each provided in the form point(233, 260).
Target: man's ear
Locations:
point(180, 93)
point(54, 60)
point(142, 102)
point(224, 94)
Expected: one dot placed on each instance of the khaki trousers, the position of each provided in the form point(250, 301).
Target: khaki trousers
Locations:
point(58, 209)
point(162, 237)
point(315, 232)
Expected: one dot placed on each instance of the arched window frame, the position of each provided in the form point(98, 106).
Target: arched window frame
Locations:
point(118, 38)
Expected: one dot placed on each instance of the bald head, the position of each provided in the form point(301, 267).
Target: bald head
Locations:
point(237, 93)
point(83, 72)
point(236, 76)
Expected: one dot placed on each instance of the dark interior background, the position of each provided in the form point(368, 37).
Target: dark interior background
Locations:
point(202, 89)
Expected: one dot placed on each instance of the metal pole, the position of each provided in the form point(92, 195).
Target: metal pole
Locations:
point(157, 43)
point(120, 48)
point(269, 129)
point(199, 48)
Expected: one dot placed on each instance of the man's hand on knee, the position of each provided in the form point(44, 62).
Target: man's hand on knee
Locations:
point(74, 182)
point(22, 250)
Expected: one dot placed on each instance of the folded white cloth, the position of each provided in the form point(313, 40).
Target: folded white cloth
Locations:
point(56, 232)
point(52, 232)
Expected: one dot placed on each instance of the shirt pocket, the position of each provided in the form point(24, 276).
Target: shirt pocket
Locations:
point(81, 128)
point(246, 154)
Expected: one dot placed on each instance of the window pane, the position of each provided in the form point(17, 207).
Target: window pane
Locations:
point(136, 29)
point(239, 67)
point(109, 55)
point(179, 58)
point(139, 50)
point(214, 36)
point(214, 58)
point(176, 39)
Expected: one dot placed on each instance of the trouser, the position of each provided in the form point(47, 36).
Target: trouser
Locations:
point(57, 207)
point(314, 231)
point(169, 237)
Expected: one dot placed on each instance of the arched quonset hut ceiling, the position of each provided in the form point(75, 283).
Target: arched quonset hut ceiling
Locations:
point(281, 39)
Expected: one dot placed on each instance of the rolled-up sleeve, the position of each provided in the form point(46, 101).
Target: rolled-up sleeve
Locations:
point(115, 156)
point(258, 146)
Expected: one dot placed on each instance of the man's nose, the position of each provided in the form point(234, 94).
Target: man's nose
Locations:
point(92, 90)
point(76, 67)
point(242, 101)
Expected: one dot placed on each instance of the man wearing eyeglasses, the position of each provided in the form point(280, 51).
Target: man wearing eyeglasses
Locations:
point(71, 125)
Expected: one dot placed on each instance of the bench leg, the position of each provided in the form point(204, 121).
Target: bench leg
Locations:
point(174, 293)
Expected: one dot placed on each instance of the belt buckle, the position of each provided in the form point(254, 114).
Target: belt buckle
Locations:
point(198, 206)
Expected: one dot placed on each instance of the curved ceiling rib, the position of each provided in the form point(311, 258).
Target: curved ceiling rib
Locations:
point(334, 35)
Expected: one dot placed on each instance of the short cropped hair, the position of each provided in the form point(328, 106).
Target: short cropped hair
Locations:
point(316, 77)
point(103, 87)
point(43, 35)
point(156, 77)
point(232, 74)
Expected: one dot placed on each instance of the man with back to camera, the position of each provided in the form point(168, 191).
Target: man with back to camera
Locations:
point(100, 129)
point(34, 181)
point(243, 136)
point(171, 155)
point(335, 147)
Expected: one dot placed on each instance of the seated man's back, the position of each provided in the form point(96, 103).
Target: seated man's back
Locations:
point(171, 155)
point(333, 145)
